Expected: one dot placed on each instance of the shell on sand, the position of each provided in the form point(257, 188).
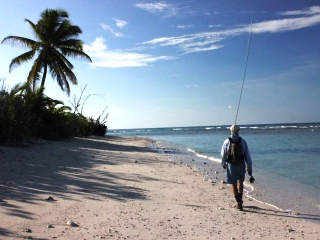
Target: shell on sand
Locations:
point(70, 224)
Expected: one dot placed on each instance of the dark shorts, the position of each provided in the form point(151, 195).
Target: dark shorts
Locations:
point(235, 173)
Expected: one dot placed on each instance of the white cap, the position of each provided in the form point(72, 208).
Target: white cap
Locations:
point(234, 129)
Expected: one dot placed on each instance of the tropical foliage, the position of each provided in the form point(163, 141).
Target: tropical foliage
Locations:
point(56, 39)
point(26, 114)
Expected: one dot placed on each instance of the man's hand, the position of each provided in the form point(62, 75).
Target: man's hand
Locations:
point(224, 166)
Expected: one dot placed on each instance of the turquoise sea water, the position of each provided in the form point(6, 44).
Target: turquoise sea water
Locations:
point(286, 159)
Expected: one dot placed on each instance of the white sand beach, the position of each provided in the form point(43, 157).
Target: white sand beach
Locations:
point(122, 188)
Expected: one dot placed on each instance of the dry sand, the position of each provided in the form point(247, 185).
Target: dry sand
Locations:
point(121, 188)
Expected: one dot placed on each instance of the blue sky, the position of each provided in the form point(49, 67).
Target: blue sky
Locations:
point(181, 63)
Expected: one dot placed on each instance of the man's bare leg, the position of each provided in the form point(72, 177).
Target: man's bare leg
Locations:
point(237, 190)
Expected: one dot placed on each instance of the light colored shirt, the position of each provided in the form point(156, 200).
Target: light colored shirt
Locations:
point(245, 153)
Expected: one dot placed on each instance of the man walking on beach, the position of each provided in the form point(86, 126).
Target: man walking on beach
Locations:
point(236, 158)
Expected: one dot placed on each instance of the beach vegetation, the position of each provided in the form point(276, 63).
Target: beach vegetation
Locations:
point(56, 39)
point(99, 124)
point(27, 114)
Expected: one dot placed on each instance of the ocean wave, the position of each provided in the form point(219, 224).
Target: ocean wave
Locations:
point(203, 156)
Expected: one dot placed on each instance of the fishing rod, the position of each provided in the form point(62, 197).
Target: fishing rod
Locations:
point(245, 71)
point(244, 76)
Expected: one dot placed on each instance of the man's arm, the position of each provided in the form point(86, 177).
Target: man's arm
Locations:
point(224, 154)
point(247, 157)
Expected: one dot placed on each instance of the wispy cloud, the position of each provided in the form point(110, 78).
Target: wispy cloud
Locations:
point(308, 11)
point(115, 59)
point(110, 29)
point(120, 23)
point(191, 43)
point(282, 25)
point(191, 85)
point(206, 41)
point(184, 26)
point(214, 25)
point(164, 9)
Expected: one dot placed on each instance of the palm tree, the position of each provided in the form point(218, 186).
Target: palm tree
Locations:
point(56, 40)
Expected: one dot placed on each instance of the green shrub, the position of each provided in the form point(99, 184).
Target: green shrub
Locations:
point(99, 129)
point(14, 120)
point(26, 114)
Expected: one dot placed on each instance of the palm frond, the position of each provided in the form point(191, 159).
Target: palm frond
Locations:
point(70, 75)
point(35, 73)
point(68, 31)
point(57, 56)
point(33, 27)
point(63, 69)
point(71, 43)
point(15, 90)
point(17, 61)
point(16, 41)
point(75, 54)
point(57, 72)
point(51, 21)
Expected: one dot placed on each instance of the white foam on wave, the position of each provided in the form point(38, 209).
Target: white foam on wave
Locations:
point(271, 205)
point(204, 156)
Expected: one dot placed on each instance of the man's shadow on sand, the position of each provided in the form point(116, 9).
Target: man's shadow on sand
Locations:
point(265, 211)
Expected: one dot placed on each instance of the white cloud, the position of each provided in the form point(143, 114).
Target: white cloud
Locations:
point(212, 25)
point(185, 26)
point(161, 8)
point(154, 7)
point(229, 106)
point(190, 43)
point(101, 57)
point(308, 11)
point(287, 24)
point(120, 23)
point(206, 41)
point(96, 46)
point(110, 29)
point(191, 85)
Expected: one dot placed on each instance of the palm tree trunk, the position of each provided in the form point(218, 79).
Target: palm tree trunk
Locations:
point(44, 75)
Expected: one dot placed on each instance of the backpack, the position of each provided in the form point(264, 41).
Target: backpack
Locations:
point(235, 156)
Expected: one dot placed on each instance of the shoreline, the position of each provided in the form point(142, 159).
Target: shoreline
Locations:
point(123, 188)
point(211, 169)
